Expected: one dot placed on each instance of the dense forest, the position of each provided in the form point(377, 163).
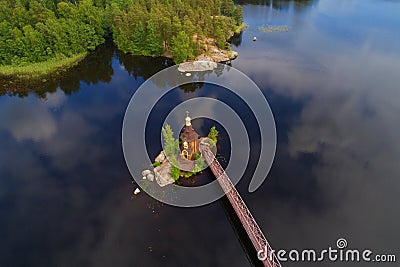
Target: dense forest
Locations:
point(38, 30)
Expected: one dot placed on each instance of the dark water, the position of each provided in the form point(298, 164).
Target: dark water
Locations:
point(332, 82)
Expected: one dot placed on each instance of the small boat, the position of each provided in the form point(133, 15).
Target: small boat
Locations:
point(254, 39)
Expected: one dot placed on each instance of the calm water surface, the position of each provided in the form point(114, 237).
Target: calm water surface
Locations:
point(332, 82)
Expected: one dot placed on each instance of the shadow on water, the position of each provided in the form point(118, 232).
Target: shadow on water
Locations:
point(96, 67)
point(141, 66)
point(236, 39)
point(240, 233)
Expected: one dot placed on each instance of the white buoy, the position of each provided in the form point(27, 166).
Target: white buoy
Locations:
point(254, 38)
point(137, 191)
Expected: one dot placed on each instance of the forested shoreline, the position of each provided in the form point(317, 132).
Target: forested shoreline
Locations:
point(35, 31)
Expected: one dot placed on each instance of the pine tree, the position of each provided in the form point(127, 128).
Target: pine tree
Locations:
point(219, 37)
point(171, 145)
point(213, 134)
point(153, 40)
point(227, 7)
point(180, 47)
point(238, 15)
point(138, 45)
point(176, 25)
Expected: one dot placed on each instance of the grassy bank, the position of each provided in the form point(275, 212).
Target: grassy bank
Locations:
point(41, 69)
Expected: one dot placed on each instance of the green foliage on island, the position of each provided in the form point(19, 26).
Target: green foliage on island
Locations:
point(180, 47)
point(147, 27)
point(199, 165)
point(33, 31)
point(175, 172)
point(156, 164)
point(213, 134)
point(196, 156)
point(171, 145)
point(36, 31)
point(171, 150)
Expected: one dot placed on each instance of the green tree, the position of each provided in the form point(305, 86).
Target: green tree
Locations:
point(138, 41)
point(39, 13)
point(227, 7)
point(176, 25)
point(39, 30)
point(238, 15)
point(188, 27)
point(154, 44)
point(35, 44)
point(213, 134)
point(171, 145)
point(171, 150)
point(180, 47)
point(220, 37)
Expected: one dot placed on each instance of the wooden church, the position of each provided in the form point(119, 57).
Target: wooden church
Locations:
point(189, 140)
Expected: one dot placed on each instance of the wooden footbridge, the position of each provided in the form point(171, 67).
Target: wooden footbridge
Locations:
point(246, 218)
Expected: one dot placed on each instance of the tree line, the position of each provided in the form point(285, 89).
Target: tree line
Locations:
point(37, 30)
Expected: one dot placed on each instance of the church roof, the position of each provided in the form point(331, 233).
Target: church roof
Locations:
point(189, 134)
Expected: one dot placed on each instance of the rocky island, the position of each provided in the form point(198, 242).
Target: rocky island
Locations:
point(180, 159)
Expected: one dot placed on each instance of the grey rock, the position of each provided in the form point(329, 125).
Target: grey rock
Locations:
point(233, 55)
point(163, 174)
point(150, 177)
point(145, 172)
point(197, 66)
point(204, 58)
point(161, 157)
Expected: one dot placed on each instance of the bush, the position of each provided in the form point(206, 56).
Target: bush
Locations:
point(156, 164)
point(175, 173)
point(213, 134)
point(196, 155)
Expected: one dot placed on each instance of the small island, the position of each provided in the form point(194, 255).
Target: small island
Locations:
point(180, 158)
point(38, 38)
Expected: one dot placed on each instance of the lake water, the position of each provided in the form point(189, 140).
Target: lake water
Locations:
point(332, 81)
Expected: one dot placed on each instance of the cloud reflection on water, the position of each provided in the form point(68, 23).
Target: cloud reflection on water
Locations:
point(349, 95)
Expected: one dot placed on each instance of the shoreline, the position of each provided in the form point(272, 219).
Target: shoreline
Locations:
point(42, 69)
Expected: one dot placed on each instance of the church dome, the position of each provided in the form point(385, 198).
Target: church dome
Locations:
point(188, 120)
